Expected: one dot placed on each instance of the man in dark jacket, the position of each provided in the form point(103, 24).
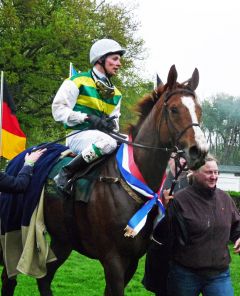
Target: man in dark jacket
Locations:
point(201, 265)
point(18, 184)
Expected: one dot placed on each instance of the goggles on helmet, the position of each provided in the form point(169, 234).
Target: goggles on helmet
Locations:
point(105, 88)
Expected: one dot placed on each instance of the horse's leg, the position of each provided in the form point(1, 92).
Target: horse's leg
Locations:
point(62, 252)
point(8, 284)
point(132, 267)
point(118, 272)
point(114, 276)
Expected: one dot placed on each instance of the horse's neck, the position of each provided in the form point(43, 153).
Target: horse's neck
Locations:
point(152, 168)
point(151, 162)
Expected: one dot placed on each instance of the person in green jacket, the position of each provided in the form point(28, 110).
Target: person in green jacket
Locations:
point(90, 102)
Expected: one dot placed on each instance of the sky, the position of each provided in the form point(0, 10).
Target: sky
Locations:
point(192, 34)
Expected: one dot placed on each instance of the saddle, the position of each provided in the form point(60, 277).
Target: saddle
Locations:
point(82, 181)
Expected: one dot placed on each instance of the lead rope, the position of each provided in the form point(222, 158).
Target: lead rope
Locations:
point(177, 172)
point(174, 217)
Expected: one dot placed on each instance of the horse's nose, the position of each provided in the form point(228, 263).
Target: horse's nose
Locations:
point(194, 152)
point(195, 157)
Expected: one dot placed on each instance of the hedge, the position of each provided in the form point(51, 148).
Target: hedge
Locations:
point(236, 197)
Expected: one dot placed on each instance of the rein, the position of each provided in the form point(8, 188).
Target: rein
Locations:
point(122, 139)
point(179, 168)
point(117, 136)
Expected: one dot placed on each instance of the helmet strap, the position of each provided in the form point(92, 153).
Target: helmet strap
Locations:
point(96, 77)
point(102, 62)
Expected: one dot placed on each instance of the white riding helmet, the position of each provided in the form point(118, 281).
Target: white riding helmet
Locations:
point(103, 47)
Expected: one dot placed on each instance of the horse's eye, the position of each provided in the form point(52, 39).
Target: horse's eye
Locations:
point(174, 110)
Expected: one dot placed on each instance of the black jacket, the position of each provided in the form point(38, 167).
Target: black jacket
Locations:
point(18, 184)
point(212, 219)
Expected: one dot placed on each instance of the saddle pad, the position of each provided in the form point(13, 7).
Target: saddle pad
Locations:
point(82, 184)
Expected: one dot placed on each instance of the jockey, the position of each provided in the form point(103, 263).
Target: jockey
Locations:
point(89, 101)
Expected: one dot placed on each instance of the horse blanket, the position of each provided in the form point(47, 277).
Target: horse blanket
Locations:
point(23, 232)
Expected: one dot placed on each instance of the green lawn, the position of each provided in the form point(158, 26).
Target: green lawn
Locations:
point(80, 276)
point(83, 276)
point(235, 272)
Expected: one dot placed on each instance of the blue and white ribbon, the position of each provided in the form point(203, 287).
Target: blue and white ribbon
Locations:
point(134, 179)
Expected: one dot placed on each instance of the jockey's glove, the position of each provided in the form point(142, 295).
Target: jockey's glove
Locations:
point(101, 123)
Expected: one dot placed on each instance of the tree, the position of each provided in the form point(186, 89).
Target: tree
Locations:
point(39, 38)
point(221, 121)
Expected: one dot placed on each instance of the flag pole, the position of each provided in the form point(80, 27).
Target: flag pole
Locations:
point(70, 69)
point(1, 112)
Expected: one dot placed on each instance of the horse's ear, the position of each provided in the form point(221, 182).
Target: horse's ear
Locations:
point(172, 77)
point(159, 81)
point(193, 82)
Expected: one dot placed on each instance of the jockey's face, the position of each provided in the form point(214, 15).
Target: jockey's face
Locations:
point(112, 64)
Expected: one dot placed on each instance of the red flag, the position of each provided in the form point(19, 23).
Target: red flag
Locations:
point(13, 138)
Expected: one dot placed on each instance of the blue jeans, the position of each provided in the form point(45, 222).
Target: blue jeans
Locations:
point(183, 282)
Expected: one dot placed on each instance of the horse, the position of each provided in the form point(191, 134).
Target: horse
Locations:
point(168, 121)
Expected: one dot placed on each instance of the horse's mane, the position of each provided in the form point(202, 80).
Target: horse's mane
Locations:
point(148, 101)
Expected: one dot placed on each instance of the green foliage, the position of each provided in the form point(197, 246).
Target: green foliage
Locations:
point(40, 38)
point(133, 91)
point(234, 193)
point(221, 120)
point(236, 197)
point(3, 164)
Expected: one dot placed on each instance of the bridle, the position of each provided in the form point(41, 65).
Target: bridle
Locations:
point(169, 122)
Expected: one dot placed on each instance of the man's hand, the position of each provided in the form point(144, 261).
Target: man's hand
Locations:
point(237, 246)
point(166, 197)
point(111, 123)
point(95, 121)
point(101, 123)
point(30, 159)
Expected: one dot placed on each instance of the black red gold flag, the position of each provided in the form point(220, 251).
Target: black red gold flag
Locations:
point(13, 138)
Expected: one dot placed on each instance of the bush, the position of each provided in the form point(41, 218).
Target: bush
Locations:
point(236, 197)
point(234, 193)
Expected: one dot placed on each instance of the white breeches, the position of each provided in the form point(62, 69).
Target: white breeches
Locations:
point(85, 139)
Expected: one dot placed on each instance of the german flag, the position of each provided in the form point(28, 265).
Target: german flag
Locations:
point(13, 138)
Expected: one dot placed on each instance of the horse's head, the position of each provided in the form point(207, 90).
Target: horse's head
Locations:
point(180, 117)
point(170, 117)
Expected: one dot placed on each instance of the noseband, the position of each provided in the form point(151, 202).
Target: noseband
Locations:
point(169, 122)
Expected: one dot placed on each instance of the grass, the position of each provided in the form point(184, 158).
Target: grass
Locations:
point(80, 276)
point(83, 276)
point(235, 272)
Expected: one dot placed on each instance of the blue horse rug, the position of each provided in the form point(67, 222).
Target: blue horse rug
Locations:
point(21, 215)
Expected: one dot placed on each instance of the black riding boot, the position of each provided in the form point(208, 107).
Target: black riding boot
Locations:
point(66, 173)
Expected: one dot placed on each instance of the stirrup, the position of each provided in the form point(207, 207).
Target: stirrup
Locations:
point(68, 187)
point(63, 186)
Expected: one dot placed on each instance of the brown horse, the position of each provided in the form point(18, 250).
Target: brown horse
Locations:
point(168, 117)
